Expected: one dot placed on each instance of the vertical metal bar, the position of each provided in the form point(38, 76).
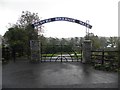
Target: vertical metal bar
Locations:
point(73, 56)
point(87, 30)
point(41, 51)
point(81, 53)
point(70, 56)
point(45, 53)
point(31, 49)
point(57, 58)
point(45, 57)
point(61, 52)
point(51, 56)
point(65, 58)
point(77, 57)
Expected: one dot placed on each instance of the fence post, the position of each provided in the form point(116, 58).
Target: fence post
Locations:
point(102, 57)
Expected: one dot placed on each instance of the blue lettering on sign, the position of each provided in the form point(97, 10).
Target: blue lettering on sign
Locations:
point(61, 19)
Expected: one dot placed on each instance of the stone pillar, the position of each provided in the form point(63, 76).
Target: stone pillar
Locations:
point(35, 50)
point(86, 51)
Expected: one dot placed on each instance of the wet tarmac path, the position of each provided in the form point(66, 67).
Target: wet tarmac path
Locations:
point(56, 75)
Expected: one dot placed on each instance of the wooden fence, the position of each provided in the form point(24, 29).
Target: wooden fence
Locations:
point(103, 57)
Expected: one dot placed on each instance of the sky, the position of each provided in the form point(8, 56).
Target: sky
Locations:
point(102, 15)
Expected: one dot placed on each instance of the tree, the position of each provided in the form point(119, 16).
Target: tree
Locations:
point(95, 42)
point(22, 32)
point(16, 39)
point(103, 43)
point(26, 20)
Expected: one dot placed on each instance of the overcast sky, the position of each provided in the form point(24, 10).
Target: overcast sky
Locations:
point(102, 14)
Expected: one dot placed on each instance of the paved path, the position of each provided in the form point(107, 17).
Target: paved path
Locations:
point(56, 74)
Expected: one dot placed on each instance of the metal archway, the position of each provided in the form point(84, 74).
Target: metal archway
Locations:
point(61, 19)
point(35, 52)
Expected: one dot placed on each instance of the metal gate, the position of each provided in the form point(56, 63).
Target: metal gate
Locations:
point(61, 53)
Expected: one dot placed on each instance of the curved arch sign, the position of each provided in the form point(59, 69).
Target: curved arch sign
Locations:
point(61, 19)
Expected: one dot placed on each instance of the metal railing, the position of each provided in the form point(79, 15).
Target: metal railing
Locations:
point(59, 53)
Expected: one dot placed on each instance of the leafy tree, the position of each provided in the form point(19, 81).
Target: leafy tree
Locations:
point(64, 41)
point(95, 42)
point(20, 34)
point(76, 40)
point(103, 43)
point(16, 38)
point(27, 18)
point(72, 42)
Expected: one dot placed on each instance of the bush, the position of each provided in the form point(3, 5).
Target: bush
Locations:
point(106, 67)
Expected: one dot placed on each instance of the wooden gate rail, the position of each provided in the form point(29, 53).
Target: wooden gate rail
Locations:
point(102, 56)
